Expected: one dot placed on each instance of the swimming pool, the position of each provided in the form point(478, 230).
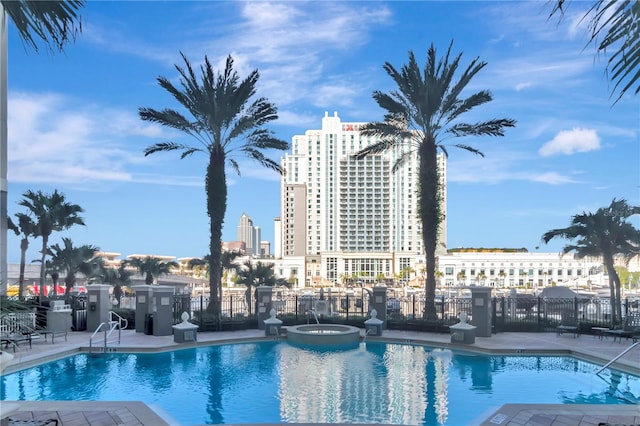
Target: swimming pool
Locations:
point(276, 382)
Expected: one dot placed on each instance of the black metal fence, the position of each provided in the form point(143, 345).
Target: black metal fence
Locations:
point(517, 313)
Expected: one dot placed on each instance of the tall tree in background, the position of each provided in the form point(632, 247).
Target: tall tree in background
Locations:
point(614, 27)
point(607, 234)
point(73, 260)
point(117, 277)
point(252, 275)
point(27, 228)
point(151, 267)
point(52, 22)
point(225, 121)
point(420, 116)
point(50, 213)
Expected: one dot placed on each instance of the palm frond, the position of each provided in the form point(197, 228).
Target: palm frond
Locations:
point(470, 149)
point(54, 22)
point(402, 159)
point(234, 166)
point(490, 128)
point(262, 159)
point(164, 147)
point(375, 148)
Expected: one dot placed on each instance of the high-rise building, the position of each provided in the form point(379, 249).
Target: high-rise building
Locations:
point(249, 234)
point(355, 216)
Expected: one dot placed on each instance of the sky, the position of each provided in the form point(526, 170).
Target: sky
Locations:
point(73, 121)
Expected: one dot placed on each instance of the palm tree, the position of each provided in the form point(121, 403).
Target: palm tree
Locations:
point(151, 267)
point(50, 213)
point(74, 260)
point(227, 261)
point(27, 228)
point(117, 277)
point(613, 24)
point(255, 275)
point(55, 23)
point(225, 123)
point(605, 233)
point(420, 116)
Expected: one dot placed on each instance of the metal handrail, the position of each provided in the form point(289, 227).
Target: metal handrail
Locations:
point(618, 357)
point(108, 327)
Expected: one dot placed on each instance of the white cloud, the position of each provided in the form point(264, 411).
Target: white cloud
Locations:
point(553, 178)
point(569, 142)
point(52, 138)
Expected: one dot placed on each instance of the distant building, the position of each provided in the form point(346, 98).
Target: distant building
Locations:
point(249, 234)
point(349, 217)
point(235, 246)
point(265, 249)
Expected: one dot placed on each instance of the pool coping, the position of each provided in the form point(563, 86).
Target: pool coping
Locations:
point(526, 344)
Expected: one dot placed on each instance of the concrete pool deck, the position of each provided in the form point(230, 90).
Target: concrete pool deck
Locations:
point(591, 348)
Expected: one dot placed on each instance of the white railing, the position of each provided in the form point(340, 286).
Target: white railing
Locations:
point(19, 320)
point(116, 322)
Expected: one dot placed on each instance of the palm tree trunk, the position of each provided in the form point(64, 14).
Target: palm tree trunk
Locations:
point(430, 217)
point(24, 246)
point(43, 269)
point(216, 187)
point(618, 301)
point(608, 263)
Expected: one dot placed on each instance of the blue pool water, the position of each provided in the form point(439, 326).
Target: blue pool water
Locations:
point(273, 382)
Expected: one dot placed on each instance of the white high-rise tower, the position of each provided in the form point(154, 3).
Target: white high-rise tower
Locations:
point(338, 207)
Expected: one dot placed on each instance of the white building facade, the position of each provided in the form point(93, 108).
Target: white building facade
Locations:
point(348, 217)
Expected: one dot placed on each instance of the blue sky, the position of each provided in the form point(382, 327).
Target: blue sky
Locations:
point(73, 123)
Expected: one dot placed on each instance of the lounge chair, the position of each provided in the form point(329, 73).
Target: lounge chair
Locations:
point(630, 329)
point(569, 324)
point(14, 340)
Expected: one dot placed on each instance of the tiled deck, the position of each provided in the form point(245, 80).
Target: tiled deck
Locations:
point(591, 348)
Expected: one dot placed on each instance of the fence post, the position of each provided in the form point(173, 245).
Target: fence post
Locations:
point(538, 306)
point(413, 301)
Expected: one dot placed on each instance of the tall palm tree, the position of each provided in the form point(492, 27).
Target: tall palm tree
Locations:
point(27, 228)
point(605, 233)
point(420, 116)
point(151, 267)
point(53, 22)
point(74, 260)
point(225, 122)
point(50, 213)
point(614, 24)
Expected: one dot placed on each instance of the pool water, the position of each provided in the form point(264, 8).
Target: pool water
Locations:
point(274, 382)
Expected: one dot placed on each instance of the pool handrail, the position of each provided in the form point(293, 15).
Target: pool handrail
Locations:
point(620, 355)
point(108, 327)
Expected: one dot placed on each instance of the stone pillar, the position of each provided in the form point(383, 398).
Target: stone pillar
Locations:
point(144, 305)
point(163, 315)
point(98, 305)
point(265, 302)
point(481, 310)
point(379, 303)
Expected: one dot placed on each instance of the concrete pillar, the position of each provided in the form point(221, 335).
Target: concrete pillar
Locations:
point(144, 305)
point(265, 302)
point(481, 310)
point(378, 302)
point(163, 315)
point(98, 305)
